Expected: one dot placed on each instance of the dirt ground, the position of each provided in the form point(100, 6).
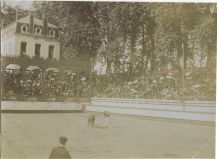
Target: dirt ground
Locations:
point(32, 136)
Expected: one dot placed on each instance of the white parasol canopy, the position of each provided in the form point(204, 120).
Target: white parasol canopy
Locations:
point(68, 72)
point(196, 86)
point(53, 69)
point(169, 77)
point(187, 73)
point(83, 79)
point(33, 68)
point(162, 78)
point(12, 67)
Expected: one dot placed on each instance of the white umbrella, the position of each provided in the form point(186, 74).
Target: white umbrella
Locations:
point(83, 79)
point(68, 72)
point(32, 68)
point(169, 77)
point(187, 73)
point(12, 67)
point(170, 74)
point(53, 69)
point(196, 86)
point(162, 78)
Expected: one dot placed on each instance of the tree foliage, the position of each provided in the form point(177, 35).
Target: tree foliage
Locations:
point(138, 40)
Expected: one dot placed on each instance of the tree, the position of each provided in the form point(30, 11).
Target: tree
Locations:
point(9, 14)
point(77, 23)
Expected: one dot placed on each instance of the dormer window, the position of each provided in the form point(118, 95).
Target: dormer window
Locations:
point(38, 31)
point(52, 33)
point(24, 28)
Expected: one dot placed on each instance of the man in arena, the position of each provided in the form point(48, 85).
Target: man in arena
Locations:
point(60, 151)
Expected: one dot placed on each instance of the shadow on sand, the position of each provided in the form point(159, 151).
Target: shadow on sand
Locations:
point(99, 126)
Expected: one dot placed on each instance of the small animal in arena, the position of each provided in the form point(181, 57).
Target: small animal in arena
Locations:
point(91, 120)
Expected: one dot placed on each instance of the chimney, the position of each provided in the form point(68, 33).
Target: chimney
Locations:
point(45, 25)
point(31, 23)
point(16, 15)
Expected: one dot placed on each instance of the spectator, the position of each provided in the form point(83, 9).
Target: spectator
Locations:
point(60, 151)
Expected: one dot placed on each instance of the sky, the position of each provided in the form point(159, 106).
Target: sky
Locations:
point(26, 4)
point(23, 4)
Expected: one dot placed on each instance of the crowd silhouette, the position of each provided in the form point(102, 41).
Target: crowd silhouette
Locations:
point(68, 84)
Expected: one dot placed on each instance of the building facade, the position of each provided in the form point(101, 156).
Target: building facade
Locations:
point(32, 37)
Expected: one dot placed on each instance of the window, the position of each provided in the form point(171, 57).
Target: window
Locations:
point(38, 31)
point(52, 33)
point(37, 50)
point(23, 48)
point(51, 52)
point(24, 28)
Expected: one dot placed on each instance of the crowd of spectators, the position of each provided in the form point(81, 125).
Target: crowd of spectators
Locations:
point(38, 83)
point(156, 87)
point(50, 84)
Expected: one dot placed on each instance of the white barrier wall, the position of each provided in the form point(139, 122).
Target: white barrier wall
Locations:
point(20, 105)
point(190, 110)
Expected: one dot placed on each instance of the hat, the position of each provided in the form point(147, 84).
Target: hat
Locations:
point(63, 140)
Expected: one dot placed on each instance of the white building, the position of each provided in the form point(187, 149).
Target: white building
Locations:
point(32, 37)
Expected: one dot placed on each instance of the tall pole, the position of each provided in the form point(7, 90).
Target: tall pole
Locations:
point(16, 15)
point(0, 114)
point(183, 78)
point(91, 70)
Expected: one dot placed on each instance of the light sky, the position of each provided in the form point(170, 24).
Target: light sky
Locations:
point(23, 4)
point(27, 4)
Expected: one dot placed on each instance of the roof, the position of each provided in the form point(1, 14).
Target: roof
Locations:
point(36, 21)
point(26, 19)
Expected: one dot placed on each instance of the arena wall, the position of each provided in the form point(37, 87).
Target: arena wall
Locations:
point(190, 110)
point(14, 106)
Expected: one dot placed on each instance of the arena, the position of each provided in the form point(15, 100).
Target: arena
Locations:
point(33, 135)
point(145, 73)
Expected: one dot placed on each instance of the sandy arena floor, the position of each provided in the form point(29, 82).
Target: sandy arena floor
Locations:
point(32, 136)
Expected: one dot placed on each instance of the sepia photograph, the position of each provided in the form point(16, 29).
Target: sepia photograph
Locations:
point(107, 79)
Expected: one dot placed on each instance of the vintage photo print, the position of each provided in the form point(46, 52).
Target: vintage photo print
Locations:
point(108, 79)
